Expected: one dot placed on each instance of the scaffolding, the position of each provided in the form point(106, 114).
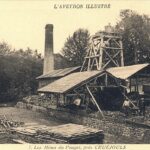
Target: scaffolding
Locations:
point(105, 51)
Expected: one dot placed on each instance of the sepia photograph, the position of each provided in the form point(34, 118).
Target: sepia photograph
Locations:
point(75, 72)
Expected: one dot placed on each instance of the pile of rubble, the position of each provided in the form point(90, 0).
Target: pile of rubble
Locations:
point(8, 123)
point(5, 127)
point(39, 101)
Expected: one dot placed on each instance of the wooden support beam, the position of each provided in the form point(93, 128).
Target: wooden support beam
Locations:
point(122, 58)
point(137, 89)
point(112, 48)
point(92, 56)
point(82, 68)
point(109, 36)
point(95, 80)
point(96, 43)
point(124, 94)
point(110, 60)
point(106, 80)
point(93, 48)
point(89, 64)
point(118, 43)
point(95, 101)
point(112, 57)
point(143, 75)
point(130, 84)
point(97, 64)
point(101, 55)
point(78, 93)
point(95, 86)
point(92, 64)
point(73, 94)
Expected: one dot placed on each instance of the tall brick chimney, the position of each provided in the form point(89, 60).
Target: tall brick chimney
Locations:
point(48, 54)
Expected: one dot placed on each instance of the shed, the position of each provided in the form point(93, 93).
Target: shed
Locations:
point(135, 75)
point(55, 75)
point(70, 81)
point(87, 85)
point(126, 72)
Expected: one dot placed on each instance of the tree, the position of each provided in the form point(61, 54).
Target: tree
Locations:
point(18, 72)
point(76, 46)
point(4, 48)
point(135, 31)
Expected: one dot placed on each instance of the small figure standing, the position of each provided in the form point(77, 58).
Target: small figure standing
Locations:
point(142, 107)
point(126, 107)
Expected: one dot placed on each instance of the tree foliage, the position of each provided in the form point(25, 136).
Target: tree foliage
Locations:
point(135, 31)
point(18, 72)
point(75, 47)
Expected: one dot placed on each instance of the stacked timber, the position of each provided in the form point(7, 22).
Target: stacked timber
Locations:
point(26, 133)
point(67, 133)
point(72, 133)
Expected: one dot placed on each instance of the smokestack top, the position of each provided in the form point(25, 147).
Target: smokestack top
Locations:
point(49, 26)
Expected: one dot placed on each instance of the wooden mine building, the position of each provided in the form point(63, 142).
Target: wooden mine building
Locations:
point(102, 82)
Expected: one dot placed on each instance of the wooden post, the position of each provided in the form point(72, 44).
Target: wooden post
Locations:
point(106, 80)
point(87, 101)
point(130, 84)
point(89, 64)
point(56, 95)
point(101, 54)
point(122, 58)
point(95, 101)
point(137, 88)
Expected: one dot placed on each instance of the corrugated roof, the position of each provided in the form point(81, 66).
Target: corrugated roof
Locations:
point(126, 71)
point(70, 81)
point(59, 73)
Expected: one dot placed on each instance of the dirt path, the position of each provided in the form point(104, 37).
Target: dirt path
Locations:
point(27, 116)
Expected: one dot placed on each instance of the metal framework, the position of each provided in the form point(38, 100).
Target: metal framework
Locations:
point(105, 51)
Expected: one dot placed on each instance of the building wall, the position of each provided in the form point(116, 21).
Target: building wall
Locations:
point(44, 82)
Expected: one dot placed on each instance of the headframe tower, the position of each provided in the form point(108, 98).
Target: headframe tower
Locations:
point(106, 50)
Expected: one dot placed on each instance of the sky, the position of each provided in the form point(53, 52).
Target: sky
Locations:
point(22, 23)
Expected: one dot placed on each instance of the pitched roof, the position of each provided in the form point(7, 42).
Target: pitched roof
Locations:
point(70, 81)
point(59, 73)
point(126, 71)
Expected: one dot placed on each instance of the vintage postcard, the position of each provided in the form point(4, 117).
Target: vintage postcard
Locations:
point(74, 74)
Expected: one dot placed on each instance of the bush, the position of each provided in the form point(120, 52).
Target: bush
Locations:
point(18, 72)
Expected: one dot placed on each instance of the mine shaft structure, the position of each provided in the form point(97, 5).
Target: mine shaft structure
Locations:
point(105, 51)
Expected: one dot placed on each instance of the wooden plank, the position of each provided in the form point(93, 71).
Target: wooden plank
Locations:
point(117, 43)
point(112, 58)
point(19, 141)
point(95, 101)
point(101, 54)
point(93, 56)
point(112, 48)
point(59, 134)
point(122, 58)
